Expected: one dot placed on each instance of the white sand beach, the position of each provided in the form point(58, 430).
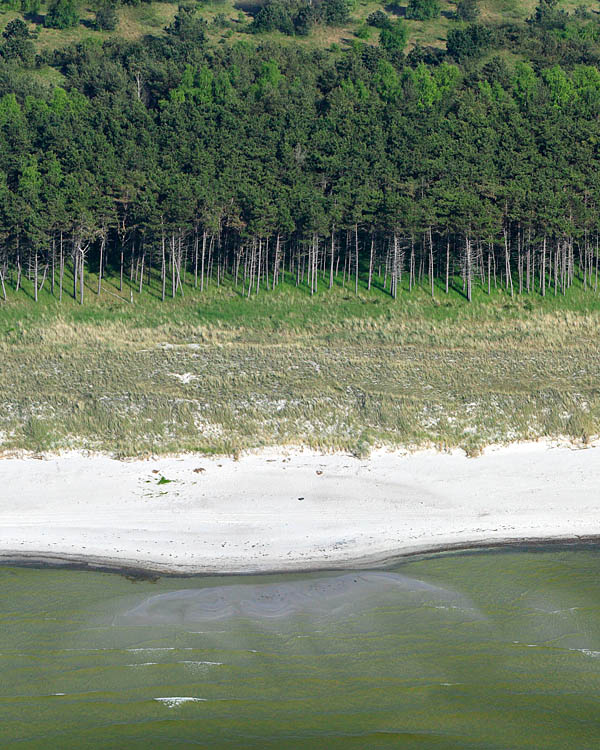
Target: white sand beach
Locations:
point(290, 510)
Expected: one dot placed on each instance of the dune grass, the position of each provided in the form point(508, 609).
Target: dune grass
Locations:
point(218, 373)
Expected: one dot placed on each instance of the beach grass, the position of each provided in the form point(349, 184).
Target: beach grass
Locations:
point(215, 372)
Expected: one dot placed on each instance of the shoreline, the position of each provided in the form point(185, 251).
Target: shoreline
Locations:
point(38, 561)
point(284, 511)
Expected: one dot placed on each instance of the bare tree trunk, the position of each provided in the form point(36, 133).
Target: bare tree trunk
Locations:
point(18, 265)
point(252, 261)
point(181, 258)
point(315, 258)
point(100, 265)
point(142, 271)
point(528, 269)
point(61, 271)
point(394, 282)
point(171, 263)
point(121, 274)
point(75, 269)
point(210, 261)
point(81, 272)
point(356, 257)
point(596, 279)
point(202, 261)
point(431, 264)
point(177, 257)
point(43, 281)
point(131, 261)
point(53, 263)
point(237, 260)
point(332, 256)
point(520, 261)
point(195, 258)
point(163, 270)
point(266, 263)
point(447, 263)
point(507, 263)
point(371, 256)
point(258, 265)
point(468, 265)
point(543, 269)
point(276, 263)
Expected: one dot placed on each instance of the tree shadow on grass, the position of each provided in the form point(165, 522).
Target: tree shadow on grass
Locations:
point(248, 6)
point(396, 10)
point(37, 18)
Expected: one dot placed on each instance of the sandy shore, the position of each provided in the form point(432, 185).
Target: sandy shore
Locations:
point(290, 510)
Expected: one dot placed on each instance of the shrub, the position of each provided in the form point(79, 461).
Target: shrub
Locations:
point(106, 17)
point(582, 11)
point(220, 21)
point(472, 41)
point(187, 26)
point(16, 30)
point(496, 71)
point(393, 38)
point(423, 10)
point(31, 7)
point(62, 14)
point(18, 44)
point(467, 10)
point(428, 55)
point(379, 20)
point(305, 19)
point(549, 16)
point(335, 12)
point(273, 16)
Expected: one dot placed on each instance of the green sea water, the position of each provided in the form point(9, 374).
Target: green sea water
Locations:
point(496, 649)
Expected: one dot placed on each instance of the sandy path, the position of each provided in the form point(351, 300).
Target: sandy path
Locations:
point(290, 510)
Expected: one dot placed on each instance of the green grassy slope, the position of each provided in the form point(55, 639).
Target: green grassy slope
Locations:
point(151, 18)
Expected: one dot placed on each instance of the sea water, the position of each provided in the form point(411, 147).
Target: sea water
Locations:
point(495, 649)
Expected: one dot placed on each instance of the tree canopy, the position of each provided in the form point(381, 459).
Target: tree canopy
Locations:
point(171, 140)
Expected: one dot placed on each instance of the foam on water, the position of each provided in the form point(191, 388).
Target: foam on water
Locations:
point(152, 649)
point(202, 663)
point(174, 701)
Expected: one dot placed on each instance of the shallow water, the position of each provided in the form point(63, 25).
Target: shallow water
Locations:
point(481, 650)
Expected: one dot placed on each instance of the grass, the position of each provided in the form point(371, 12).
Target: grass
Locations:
point(218, 373)
point(136, 22)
